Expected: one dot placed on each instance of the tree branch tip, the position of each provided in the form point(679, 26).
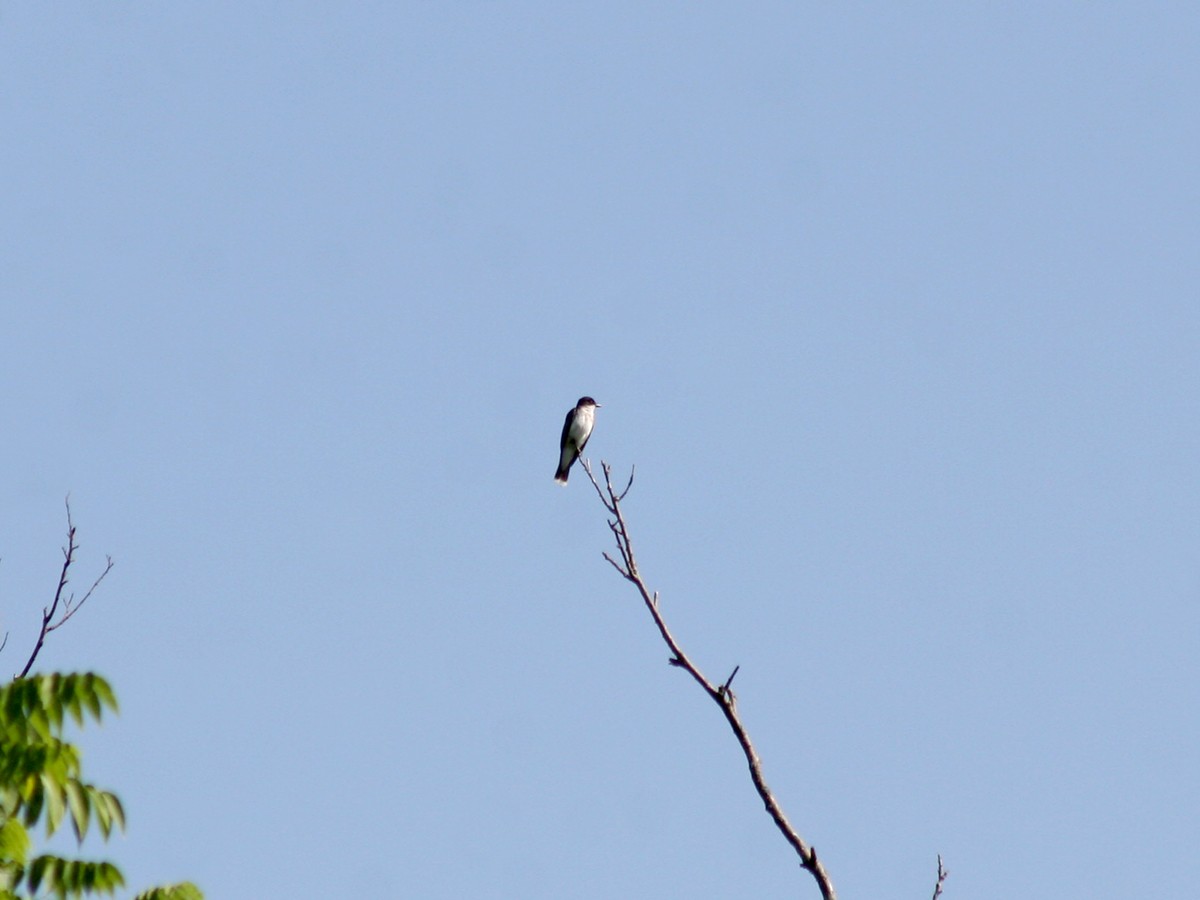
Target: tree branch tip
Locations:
point(629, 484)
point(612, 562)
point(732, 675)
point(942, 874)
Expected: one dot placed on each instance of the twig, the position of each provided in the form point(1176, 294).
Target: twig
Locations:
point(729, 680)
point(632, 469)
point(722, 695)
point(942, 874)
point(69, 606)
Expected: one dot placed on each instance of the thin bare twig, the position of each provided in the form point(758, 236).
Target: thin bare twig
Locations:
point(69, 604)
point(729, 680)
point(942, 874)
point(721, 695)
point(70, 607)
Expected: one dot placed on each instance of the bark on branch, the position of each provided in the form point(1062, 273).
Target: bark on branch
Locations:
point(722, 695)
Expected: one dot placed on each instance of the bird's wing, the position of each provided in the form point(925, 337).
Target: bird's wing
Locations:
point(562, 441)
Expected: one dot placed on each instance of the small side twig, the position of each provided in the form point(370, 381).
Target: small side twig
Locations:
point(942, 873)
point(729, 680)
point(722, 695)
point(69, 605)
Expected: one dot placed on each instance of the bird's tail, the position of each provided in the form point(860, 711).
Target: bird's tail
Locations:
point(561, 475)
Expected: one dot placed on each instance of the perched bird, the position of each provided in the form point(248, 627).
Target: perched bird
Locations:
point(576, 431)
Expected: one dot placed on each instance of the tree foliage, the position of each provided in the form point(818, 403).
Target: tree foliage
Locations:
point(41, 776)
point(184, 891)
point(41, 782)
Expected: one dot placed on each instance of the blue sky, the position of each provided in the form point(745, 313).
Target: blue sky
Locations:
point(895, 308)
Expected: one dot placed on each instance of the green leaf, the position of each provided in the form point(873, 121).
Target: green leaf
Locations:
point(39, 721)
point(33, 800)
point(37, 872)
point(14, 842)
point(81, 809)
point(99, 693)
point(112, 804)
point(108, 812)
point(103, 816)
point(53, 791)
point(52, 689)
point(10, 801)
point(73, 702)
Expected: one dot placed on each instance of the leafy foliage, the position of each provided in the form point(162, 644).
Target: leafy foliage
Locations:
point(72, 877)
point(41, 780)
point(183, 891)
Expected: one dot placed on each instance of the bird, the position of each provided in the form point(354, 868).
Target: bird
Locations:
point(576, 431)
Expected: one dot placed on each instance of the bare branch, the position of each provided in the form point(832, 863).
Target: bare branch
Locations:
point(587, 467)
point(942, 874)
point(69, 605)
point(722, 695)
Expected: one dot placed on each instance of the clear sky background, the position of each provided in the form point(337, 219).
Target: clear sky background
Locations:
point(896, 308)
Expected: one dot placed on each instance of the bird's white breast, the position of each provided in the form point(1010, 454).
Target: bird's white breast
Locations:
point(581, 427)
